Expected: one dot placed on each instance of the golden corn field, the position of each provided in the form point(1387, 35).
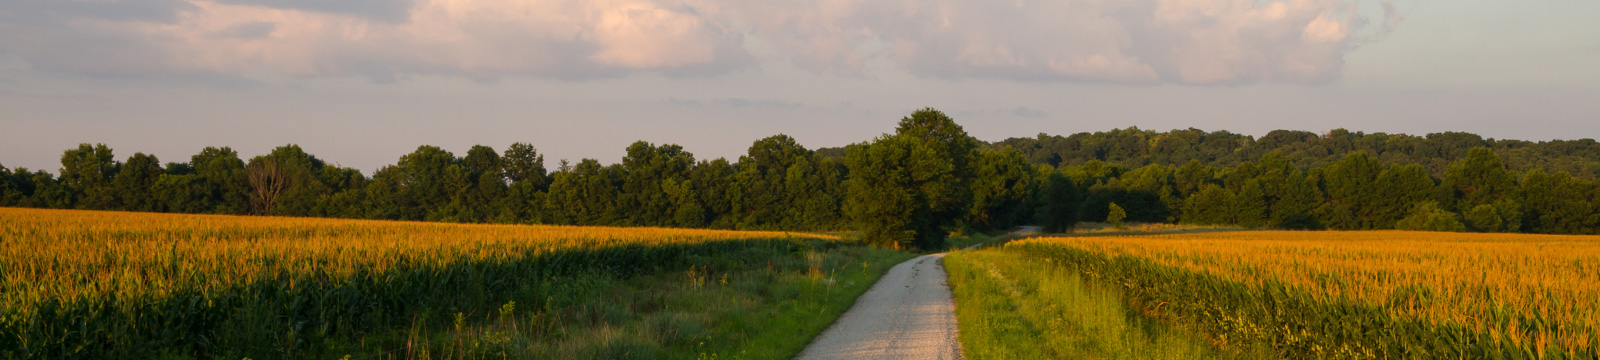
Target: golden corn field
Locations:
point(1358, 294)
point(118, 285)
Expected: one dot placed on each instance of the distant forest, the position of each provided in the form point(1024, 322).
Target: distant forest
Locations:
point(909, 188)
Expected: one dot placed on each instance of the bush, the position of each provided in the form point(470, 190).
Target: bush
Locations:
point(1427, 216)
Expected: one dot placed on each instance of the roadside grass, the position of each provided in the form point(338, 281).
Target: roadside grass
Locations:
point(1009, 306)
point(757, 303)
point(963, 241)
point(1107, 229)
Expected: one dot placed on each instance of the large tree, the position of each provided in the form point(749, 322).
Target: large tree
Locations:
point(910, 189)
point(759, 194)
point(86, 173)
point(134, 183)
point(222, 176)
point(426, 181)
point(1002, 185)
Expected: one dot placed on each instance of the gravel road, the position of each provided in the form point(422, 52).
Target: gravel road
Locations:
point(908, 314)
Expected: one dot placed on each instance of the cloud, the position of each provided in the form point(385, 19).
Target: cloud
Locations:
point(1024, 111)
point(56, 11)
point(250, 30)
point(381, 10)
point(1123, 41)
point(737, 103)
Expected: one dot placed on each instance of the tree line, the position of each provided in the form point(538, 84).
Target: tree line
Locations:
point(1434, 152)
point(907, 189)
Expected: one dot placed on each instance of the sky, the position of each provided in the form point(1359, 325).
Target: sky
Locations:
point(361, 82)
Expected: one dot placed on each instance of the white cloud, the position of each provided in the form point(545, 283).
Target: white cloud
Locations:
point(1133, 41)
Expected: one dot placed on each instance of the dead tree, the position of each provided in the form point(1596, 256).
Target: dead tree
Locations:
point(267, 181)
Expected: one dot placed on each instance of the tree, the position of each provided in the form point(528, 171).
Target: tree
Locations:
point(524, 164)
point(223, 181)
point(648, 173)
point(1250, 207)
point(760, 199)
point(1003, 182)
point(134, 183)
point(297, 173)
point(426, 181)
point(1427, 216)
point(1484, 218)
point(1558, 203)
point(1115, 214)
point(1352, 202)
point(484, 184)
point(523, 167)
point(1397, 189)
point(1479, 179)
point(587, 195)
point(86, 173)
point(898, 185)
point(947, 140)
point(1297, 203)
point(10, 195)
point(1059, 201)
point(811, 187)
point(268, 180)
point(1213, 205)
point(712, 183)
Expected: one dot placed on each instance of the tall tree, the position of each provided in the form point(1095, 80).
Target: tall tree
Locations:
point(1398, 189)
point(651, 176)
point(295, 176)
point(1213, 205)
point(134, 183)
point(482, 188)
point(524, 164)
point(947, 140)
point(1059, 200)
point(426, 181)
point(760, 196)
point(586, 195)
point(523, 167)
point(1479, 179)
point(1297, 205)
point(1250, 207)
point(1349, 183)
point(86, 173)
point(898, 187)
point(222, 176)
point(1003, 183)
point(712, 183)
point(10, 192)
point(1559, 203)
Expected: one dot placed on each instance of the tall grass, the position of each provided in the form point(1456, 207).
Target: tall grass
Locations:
point(1374, 294)
point(87, 284)
point(1011, 306)
point(727, 309)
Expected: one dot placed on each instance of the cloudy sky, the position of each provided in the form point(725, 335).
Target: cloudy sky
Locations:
point(361, 82)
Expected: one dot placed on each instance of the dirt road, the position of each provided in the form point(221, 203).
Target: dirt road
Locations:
point(908, 314)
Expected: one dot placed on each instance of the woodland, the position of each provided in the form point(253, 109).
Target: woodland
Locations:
point(906, 189)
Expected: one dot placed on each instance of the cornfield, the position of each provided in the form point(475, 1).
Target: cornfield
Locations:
point(88, 284)
point(1367, 294)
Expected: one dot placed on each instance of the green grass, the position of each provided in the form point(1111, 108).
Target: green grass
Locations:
point(1010, 306)
point(1132, 228)
point(963, 241)
point(758, 303)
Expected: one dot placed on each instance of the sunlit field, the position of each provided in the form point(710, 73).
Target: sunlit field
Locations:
point(119, 285)
point(1363, 294)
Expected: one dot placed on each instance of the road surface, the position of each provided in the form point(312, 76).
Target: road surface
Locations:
point(908, 314)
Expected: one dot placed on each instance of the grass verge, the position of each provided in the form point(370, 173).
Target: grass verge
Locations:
point(1010, 306)
point(756, 303)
